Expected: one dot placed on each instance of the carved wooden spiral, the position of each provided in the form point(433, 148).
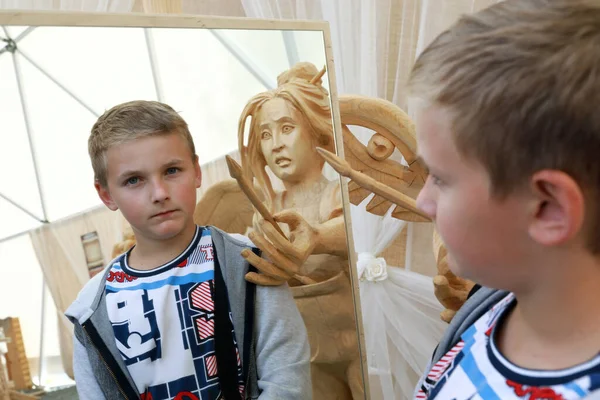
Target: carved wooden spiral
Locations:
point(393, 129)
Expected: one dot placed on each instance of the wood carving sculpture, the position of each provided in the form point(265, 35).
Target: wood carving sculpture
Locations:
point(287, 125)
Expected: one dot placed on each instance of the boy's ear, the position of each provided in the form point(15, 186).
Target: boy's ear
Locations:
point(559, 208)
point(198, 172)
point(105, 196)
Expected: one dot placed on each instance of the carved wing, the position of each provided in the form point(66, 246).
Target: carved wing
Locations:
point(393, 130)
point(225, 206)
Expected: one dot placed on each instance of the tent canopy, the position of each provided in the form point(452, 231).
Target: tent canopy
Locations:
point(57, 80)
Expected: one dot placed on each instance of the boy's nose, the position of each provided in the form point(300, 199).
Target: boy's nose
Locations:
point(159, 192)
point(426, 203)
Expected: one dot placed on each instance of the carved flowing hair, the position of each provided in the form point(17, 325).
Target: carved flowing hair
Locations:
point(301, 86)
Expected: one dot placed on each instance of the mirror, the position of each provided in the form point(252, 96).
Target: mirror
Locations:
point(61, 71)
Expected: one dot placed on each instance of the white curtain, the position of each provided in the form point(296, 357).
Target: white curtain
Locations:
point(115, 6)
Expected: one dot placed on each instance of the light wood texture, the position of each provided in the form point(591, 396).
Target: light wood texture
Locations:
point(392, 128)
point(4, 389)
point(62, 18)
point(235, 170)
point(380, 147)
point(352, 255)
point(381, 190)
point(124, 245)
point(450, 290)
point(216, 205)
point(161, 6)
point(16, 357)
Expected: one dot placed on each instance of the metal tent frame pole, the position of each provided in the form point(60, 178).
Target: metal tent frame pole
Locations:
point(57, 83)
point(291, 49)
point(154, 64)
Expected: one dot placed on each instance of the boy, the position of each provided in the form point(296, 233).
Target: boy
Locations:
point(173, 318)
point(509, 126)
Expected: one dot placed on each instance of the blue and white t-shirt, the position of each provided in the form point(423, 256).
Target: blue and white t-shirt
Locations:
point(474, 369)
point(163, 321)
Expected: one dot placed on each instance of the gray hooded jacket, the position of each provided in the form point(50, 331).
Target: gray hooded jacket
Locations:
point(274, 348)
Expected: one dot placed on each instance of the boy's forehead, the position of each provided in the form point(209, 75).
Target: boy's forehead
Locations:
point(167, 141)
point(436, 145)
point(430, 128)
point(146, 152)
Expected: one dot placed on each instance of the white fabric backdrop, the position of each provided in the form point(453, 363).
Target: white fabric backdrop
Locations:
point(118, 6)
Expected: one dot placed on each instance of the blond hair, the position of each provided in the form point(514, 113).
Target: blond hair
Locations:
point(129, 121)
point(301, 86)
point(521, 80)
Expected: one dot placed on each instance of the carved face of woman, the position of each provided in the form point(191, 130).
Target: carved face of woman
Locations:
point(286, 141)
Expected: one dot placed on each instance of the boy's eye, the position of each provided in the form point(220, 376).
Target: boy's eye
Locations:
point(436, 181)
point(132, 181)
point(172, 171)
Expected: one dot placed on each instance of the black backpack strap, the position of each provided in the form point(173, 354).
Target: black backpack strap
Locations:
point(227, 367)
point(249, 339)
point(473, 290)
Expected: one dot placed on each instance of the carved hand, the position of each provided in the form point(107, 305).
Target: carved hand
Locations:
point(282, 258)
point(450, 290)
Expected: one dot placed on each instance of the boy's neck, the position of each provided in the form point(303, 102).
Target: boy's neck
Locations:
point(555, 324)
point(149, 254)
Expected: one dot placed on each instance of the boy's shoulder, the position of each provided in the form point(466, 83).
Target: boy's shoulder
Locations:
point(478, 304)
point(81, 308)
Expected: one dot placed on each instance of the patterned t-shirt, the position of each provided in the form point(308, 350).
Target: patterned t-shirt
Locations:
point(475, 369)
point(163, 321)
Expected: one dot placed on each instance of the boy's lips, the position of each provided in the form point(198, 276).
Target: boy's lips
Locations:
point(161, 214)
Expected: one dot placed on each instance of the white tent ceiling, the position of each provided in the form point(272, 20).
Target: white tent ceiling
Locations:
point(55, 82)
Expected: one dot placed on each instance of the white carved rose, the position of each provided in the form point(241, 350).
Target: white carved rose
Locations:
point(371, 268)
